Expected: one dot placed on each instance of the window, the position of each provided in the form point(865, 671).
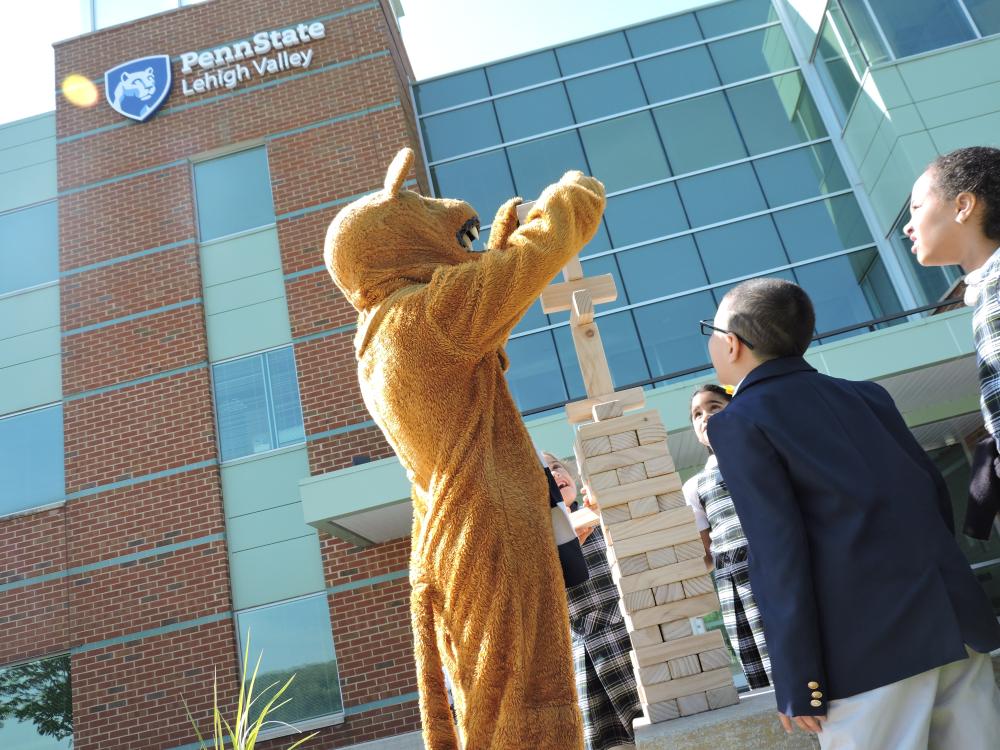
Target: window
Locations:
point(775, 113)
point(822, 227)
point(749, 55)
point(720, 195)
point(930, 284)
point(914, 26)
point(111, 12)
point(677, 74)
point(536, 111)
point(460, 131)
point(29, 247)
point(699, 133)
point(537, 164)
point(593, 53)
point(482, 181)
point(257, 399)
point(233, 194)
point(625, 151)
point(661, 268)
point(534, 376)
point(663, 34)
point(294, 638)
point(800, 174)
point(740, 249)
point(31, 459)
point(850, 289)
point(605, 93)
point(451, 91)
point(644, 214)
point(863, 26)
point(986, 14)
point(839, 61)
point(36, 706)
point(670, 335)
point(524, 71)
point(729, 17)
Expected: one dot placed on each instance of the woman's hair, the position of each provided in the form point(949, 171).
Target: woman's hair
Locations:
point(718, 390)
point(975, 170)
point(570, 466)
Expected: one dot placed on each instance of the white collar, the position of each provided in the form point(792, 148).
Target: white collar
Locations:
point(974, 279)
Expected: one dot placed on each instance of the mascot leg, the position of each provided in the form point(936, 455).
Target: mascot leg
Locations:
point(435, 711)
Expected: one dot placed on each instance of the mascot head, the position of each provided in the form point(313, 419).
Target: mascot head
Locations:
point(395, 238)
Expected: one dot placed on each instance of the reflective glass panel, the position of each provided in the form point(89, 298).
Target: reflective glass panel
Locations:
point(670, 334)
point(112, 12)
point(644, 214)
point(524, 71)
point(537, 164)
point(661, 268)
point(699, 133)
point(534, 377)
point(36, 705)
point(285, 396)
point(451, 91)
point(621, 345)
point(625, 152)
point(605, 93)
point(914, 26)
point(775, 113)
point(460, 131)
point(241, 402)
point(720, 195)
point(294, 638)
point(822, 227)
point(929, 283)
point(839, 62)
point(847, 290)
point(233, 193)
point(664, 34)
point(729, 17)
point(482, 181)
point(535, 111)
point(740, 249)
point(864, 29)
point(29, 247)
point(677, 74)
point(31, 459)
point(754, 54)
point(800, 174)
point(986, 14)
point(592, 53)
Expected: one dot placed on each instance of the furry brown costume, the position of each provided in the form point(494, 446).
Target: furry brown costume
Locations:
point(487, 594)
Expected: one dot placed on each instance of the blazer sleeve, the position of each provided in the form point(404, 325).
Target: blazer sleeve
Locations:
point(781, 575)
point(478, 303)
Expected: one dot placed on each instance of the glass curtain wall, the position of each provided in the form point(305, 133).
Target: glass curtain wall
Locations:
point(717, 165)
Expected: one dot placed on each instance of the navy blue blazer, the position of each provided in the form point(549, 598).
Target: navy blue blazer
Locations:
point(853, 561)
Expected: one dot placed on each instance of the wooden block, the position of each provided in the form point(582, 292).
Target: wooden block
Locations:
point(698, 585)
point(647, 542)
point(645, 637)
point(621, 458)
point(647, 525)
point(672, 592)
point(595, 446)
point(638, 600)
point(689, 550)
point(573, 270)
point(662, 711)
point(583, 308)
point(660, 557)
point(694, 607)
point(689, 645)
point(578, 412)
point(723, 696)
point(602, 481)
point(644, 506)
point(661, 576)
point(695, 703)
point(631, 565)
point(714, 659)
point(655, 486)
point(593, 362)
point(621, 424)
point(671, 631)
point(684, 666)
point(558, 297)
point(682, 686)
point(631, 474)
point(660, 465)
point(607, 410)
point(654, 674)
point(671, 500)
point(618, 514)
point(584, 518)
point(621, 441)
point(652, 433)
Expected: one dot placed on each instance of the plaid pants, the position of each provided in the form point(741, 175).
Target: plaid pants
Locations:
point(741, 617)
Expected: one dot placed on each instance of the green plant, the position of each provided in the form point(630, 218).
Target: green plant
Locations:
point(243, 736)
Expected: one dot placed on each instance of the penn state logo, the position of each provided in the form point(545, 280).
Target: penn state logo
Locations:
point(137, 88)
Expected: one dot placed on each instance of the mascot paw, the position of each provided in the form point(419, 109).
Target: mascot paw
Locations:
point(504, 223)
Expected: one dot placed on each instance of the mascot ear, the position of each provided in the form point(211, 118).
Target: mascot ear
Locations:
point(397, 172)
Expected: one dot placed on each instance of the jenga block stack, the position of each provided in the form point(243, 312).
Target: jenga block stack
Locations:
point(657, 561)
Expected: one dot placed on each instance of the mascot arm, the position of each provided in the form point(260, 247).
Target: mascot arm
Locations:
point(478, 303)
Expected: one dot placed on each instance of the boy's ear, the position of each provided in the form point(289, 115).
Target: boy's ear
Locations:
point(395, 176)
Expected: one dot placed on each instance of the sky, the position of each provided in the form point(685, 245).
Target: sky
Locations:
point(440, 36)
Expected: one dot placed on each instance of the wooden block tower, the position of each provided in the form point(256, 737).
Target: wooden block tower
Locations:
point(654, 548)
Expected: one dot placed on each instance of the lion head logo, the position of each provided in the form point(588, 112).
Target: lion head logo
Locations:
point(137, 88)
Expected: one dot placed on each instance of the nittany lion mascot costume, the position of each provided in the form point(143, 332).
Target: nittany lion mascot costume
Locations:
point(488, 600)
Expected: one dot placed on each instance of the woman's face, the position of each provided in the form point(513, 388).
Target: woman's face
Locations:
point(566, 485)
point(938, 239)
point(703, 406)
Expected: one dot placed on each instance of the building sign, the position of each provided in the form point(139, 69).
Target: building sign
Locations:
point(259, 56)
point(137, 88)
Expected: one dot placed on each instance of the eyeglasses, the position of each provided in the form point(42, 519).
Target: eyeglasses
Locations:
point(707, 328)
